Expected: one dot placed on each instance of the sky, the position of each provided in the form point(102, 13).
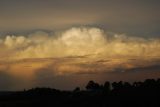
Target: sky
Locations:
point(65, 43)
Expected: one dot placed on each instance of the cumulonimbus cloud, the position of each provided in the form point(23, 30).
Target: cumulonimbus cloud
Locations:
point(77, 42)
point(40, 56)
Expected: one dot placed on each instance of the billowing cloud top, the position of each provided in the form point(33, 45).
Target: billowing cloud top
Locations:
point(78, 42)
point(79, 50)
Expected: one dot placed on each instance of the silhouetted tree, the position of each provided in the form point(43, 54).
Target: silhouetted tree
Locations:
point(137, 84)
point(107, 87)
point(139, 93)
point(92, 86)
point(77, 89)
point(127, 85)
point(118, 85)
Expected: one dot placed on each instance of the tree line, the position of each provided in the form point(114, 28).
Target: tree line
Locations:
point(137, 94)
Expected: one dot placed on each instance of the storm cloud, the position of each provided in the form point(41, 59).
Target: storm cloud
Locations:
point(78, 41)
point(78, 50)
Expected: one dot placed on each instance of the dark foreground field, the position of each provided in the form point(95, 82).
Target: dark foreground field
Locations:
point(117, 94)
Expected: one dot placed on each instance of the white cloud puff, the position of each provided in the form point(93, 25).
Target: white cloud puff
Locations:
point(80, 41)
point(42, 56)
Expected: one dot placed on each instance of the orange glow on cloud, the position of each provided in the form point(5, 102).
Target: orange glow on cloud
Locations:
point(75, 51)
